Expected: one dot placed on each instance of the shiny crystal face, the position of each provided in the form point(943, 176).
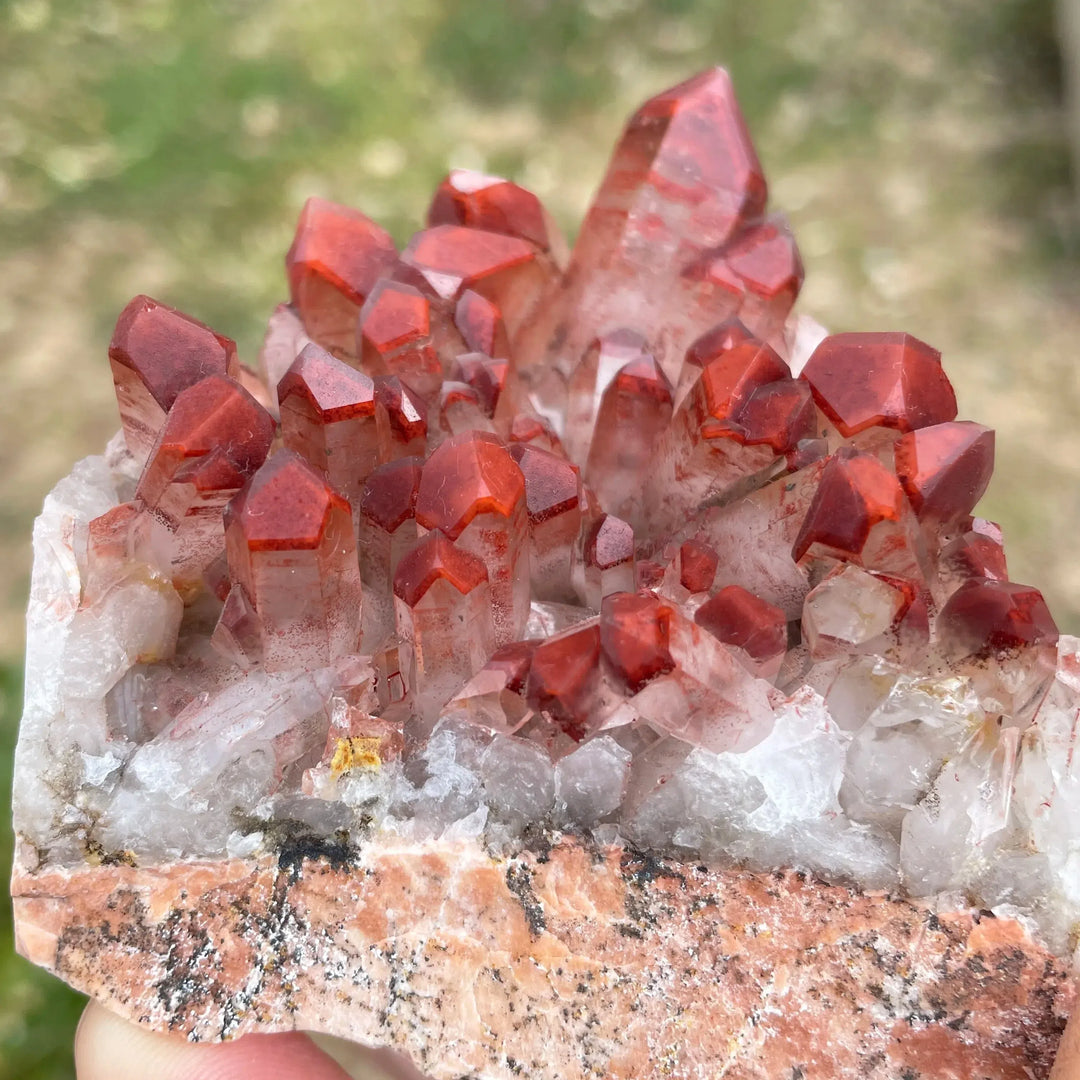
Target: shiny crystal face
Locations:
point(500, 538)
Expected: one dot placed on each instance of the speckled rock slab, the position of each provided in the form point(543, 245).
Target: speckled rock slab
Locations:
point(564, 962)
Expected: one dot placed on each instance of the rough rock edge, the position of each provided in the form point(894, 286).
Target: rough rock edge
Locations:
point(564, 962)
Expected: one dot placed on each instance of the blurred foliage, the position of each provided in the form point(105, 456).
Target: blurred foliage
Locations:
point(212, 120)
point(1018, 39)
point(166, 147)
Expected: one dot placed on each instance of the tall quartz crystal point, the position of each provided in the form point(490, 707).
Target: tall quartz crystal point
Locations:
point(296, 592)
point(336, 257)
point(155, 353)
point(466, 197)
point(444, 612)
point(510, 272)
point(634, 413)
point(386, 532)
point(537, 629)
point(402, 419)
point(731, 432)
point(606, 563)
point(328, 417)
point(394, 337)
point(473, 491)
point(215, 437)
point(604, 357)
point(553, 497)
point(684, 180)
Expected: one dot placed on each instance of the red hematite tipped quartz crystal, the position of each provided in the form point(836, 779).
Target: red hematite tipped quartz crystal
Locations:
point(155, 353)
point(889, 380)
point(556, 665)
point(336, 257)
point(507, 270)
point(495, 205)
point(292, 562)
point(945, 468)
point(328, 415)
point(480, 324)
point(394, 336)
point(744, 621)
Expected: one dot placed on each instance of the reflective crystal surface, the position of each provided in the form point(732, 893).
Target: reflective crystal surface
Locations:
point(336, 257)
point(155, 353)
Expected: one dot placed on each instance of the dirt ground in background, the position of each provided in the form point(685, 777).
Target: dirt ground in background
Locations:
point(886, 152)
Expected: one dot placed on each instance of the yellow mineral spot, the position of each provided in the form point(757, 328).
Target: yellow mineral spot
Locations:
point(355, 752)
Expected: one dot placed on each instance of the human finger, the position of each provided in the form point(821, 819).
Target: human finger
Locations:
point(109, 1048)
point(1067, 1062)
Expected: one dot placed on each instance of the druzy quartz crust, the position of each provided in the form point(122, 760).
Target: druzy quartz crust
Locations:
point(576, 588)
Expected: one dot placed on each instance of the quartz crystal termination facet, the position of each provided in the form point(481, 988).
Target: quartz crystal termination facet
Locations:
point(566, 587)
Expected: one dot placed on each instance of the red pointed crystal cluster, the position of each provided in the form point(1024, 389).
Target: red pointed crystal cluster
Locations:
point(606, 547)
point(565, 494)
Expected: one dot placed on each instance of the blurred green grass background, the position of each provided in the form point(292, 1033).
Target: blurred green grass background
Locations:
point(163, 147)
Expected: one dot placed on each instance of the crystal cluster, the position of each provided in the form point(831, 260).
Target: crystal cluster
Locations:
point(500, 537)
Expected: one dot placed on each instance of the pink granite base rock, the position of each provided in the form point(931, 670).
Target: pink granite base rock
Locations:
point(564, 963)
